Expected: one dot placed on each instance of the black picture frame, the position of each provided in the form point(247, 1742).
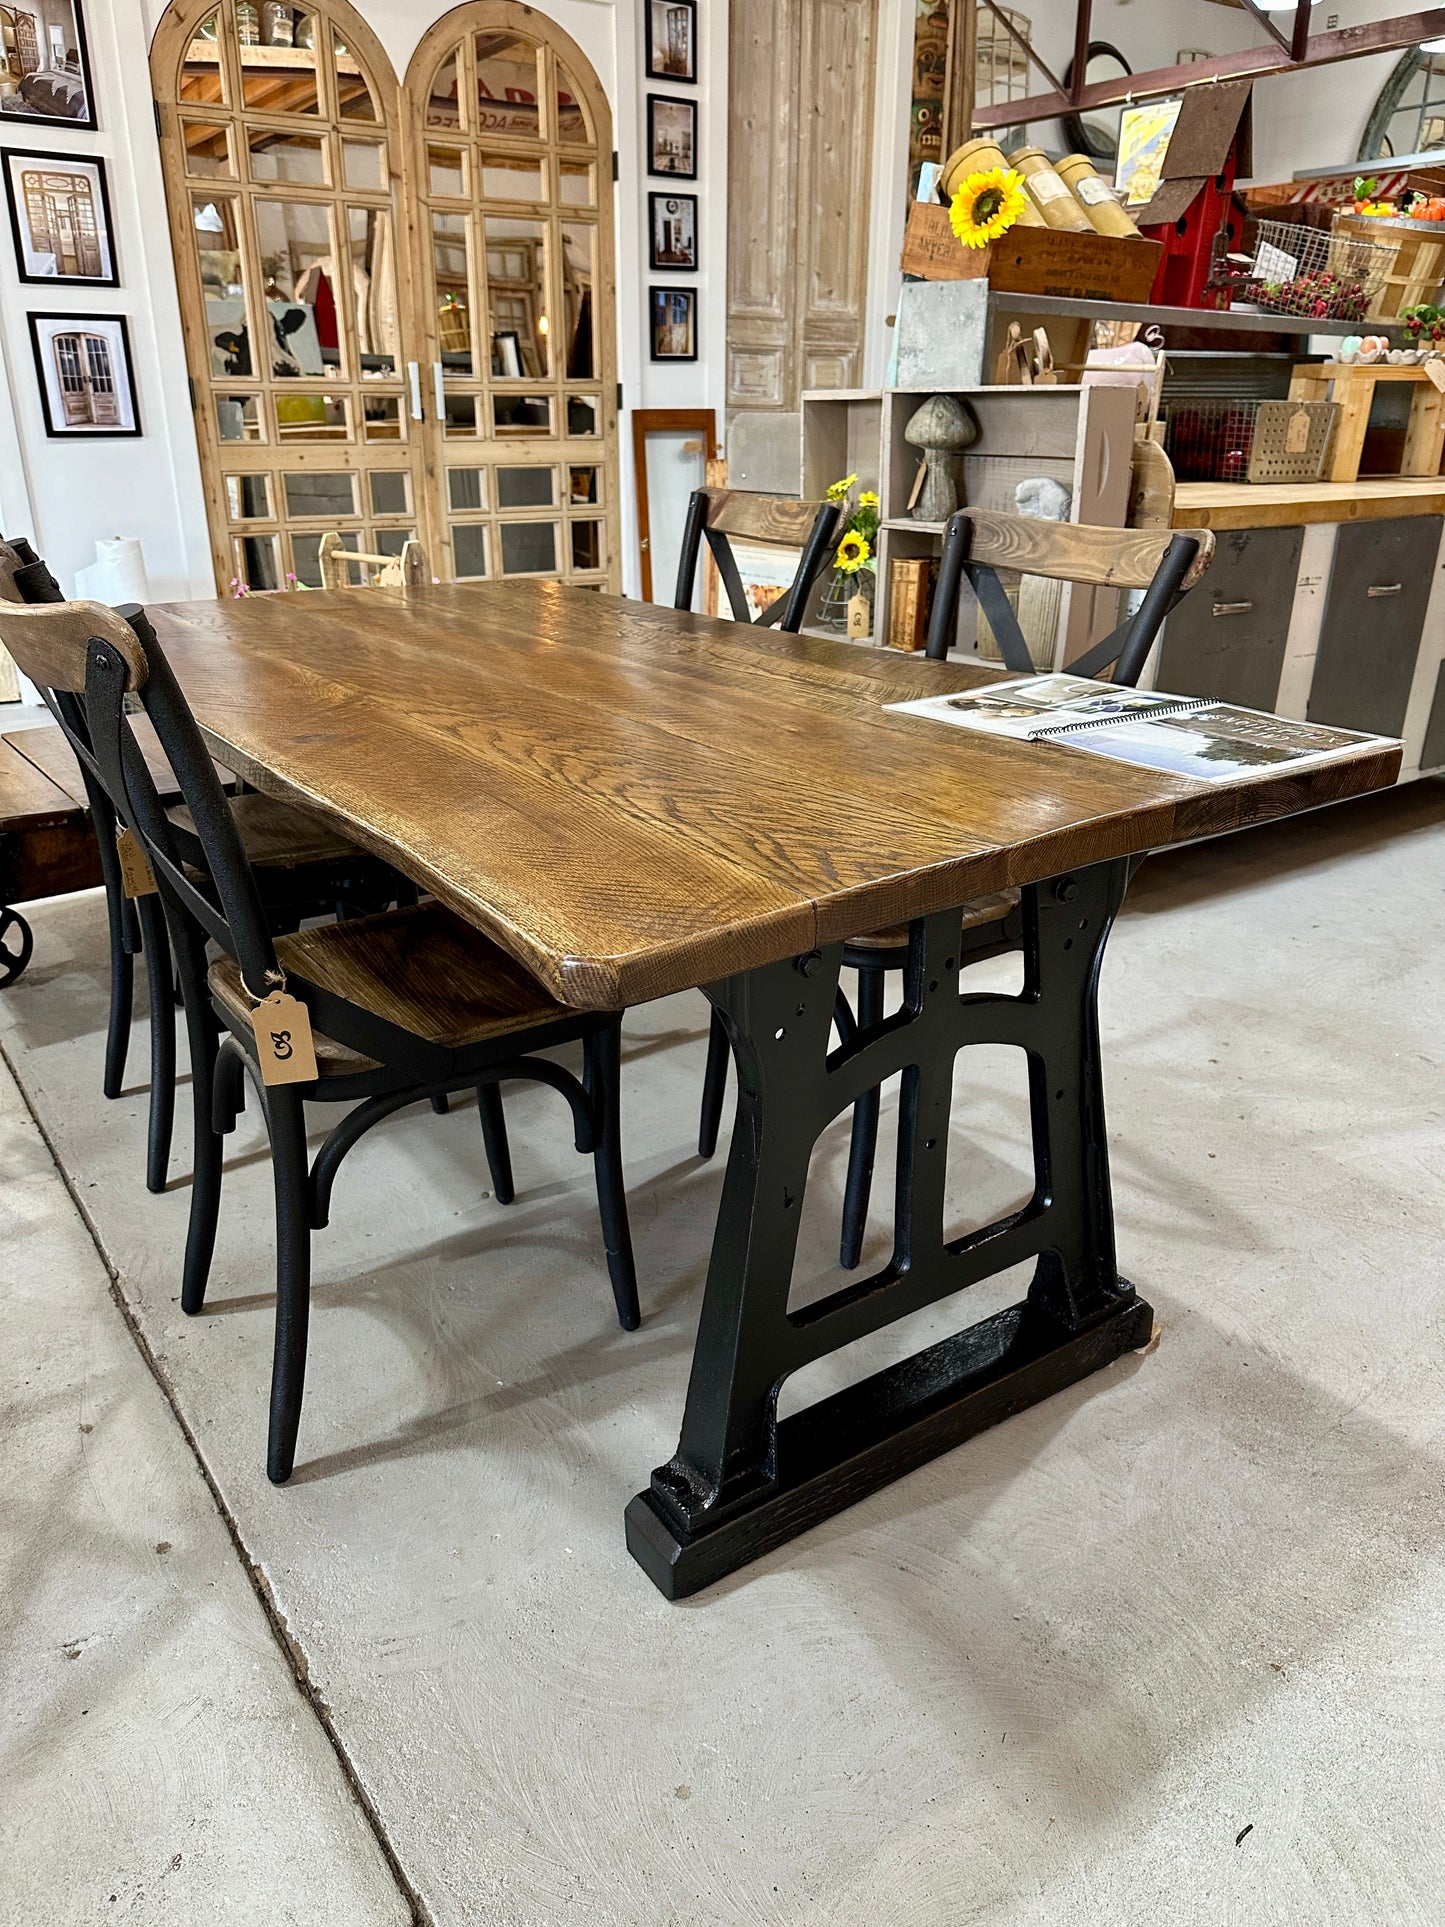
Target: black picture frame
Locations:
point(20, 220)
point(662, 18)
point(47, 116)
point(683, 303)
point(688, 109)
point(671, 260)
point(47, 366)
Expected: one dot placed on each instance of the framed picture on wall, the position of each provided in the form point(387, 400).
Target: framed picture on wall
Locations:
point(45, 65)
point(86, 384)
point(672, 137)
point(671, 40)
point(672, 225)
point(60, 217)
point(673, 323)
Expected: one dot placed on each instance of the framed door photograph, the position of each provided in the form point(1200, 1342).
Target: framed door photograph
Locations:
point(45, 65)
point(86, 385)
point(673, 317)
point(672, 230)
point(671, 40)
point(60, 218)
point(672, 137)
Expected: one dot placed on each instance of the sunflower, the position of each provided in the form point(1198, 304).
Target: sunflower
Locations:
point(853, 552)
point(868, 499)
point(987, 205)
point(837, 490)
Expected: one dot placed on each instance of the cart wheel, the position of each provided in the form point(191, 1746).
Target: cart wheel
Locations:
point(17, 941)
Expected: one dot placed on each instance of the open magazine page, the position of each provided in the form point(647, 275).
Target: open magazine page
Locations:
point(1217, 743)
point(1037, 702)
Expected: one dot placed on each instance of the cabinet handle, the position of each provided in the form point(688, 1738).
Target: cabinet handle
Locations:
point(413, 375)
point(1232, 608)
point(1384, 588)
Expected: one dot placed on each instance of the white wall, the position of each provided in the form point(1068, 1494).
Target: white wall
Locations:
point(65, 496)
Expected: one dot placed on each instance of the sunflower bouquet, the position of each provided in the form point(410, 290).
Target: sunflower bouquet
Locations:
point(986, 205)
point(854, 560)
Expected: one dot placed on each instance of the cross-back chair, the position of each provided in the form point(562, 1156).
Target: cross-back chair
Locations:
point(715, 516)
point(407, 569)
point(404, 1006)
point(304, 867)
point(977, 543)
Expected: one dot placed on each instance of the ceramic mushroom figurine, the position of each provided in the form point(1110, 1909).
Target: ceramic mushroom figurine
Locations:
point(942, 428)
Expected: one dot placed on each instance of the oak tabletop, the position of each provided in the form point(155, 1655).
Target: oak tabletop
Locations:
point(634, 801)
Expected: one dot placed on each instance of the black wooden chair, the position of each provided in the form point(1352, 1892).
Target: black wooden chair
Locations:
point(404, 1006)
point(715, 515)
point(304, 869)
point(978, 543)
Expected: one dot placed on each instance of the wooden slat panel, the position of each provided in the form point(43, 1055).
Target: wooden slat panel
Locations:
point(631, 800)
point(1074, 552)
point(762, 518)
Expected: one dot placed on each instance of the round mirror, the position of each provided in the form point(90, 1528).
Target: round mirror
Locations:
point(1096, 132)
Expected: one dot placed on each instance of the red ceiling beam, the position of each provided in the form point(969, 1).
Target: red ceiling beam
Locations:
point(1320, 50)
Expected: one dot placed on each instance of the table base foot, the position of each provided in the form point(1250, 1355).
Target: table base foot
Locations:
point(892, 1423)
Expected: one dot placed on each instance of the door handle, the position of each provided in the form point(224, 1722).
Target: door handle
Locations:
point(1232, 608)
point(439, 390)
point(1384, 588)
point(413, 375)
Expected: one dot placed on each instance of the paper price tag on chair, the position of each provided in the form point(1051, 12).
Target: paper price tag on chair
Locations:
point(135, 870)
point(284, 1044)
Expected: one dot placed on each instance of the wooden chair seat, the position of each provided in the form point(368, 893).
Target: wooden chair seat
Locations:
point(274, 835)
point(990, 909)
point(419, 968)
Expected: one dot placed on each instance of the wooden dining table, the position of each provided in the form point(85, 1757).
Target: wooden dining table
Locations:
point(635, 802)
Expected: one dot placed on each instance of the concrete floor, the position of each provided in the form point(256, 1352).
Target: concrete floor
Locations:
point(1166, 1649)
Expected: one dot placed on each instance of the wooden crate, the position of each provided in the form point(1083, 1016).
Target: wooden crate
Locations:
point(1031, 260)
point(1353, 387)
point(1419, 262)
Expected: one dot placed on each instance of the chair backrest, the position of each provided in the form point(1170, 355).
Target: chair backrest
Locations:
point(977, 543)
point(778, 521)
point(407, 569)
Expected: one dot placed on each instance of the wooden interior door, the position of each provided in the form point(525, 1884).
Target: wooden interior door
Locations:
point(800, 138)
point(283, 180)
point(510, 190)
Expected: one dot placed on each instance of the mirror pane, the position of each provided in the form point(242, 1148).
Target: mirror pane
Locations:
point(579, 243)
point(584, 415)
point(526, 488)
point(466, 488)
point(306, 558)
point(391, 541)
point(391, 492)
point(449, 268)
point(517, 298)
point(288, 157)
point(311, 493)
point(381, 418)
point(257, 562)
point(353, 94)
point(586, 545)
point(446, 170)
point(575, 180)
point(528, 548)
point(202, 76)
point(443, 107)
point(521, 414)
point(299, 265)
point(572, 127)
point(582, 485)
point(278, 60)
point(506, 85)
point(248, 497)
point(208, 149)
point(512, 177)
point(373, 282)
point(312, 418)
point(363, 165)
point(461, 415)
point(238, 418)
point(215, 222)
point(469, 549)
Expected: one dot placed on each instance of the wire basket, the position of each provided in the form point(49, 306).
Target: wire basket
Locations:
point(1322, 274)
point(1209, 440)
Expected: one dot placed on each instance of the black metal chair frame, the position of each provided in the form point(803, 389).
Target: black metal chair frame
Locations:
point(787, 612)
point(407, 1069)
point(1127, 648)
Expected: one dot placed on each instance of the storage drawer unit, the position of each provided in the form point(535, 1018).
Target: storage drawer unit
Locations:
point(1227, 638)
point(1374, 616)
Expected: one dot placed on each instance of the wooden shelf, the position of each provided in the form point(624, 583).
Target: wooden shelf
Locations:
point(1237, 505)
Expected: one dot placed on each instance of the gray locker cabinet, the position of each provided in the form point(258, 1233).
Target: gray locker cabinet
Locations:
point(1227, 638)
point(1374, 616)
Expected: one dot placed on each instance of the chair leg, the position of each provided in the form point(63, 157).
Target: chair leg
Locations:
point(865, 1134)
point(203, 1035)
point(293, 1277)
point(441, 1104)
point(122, 992)
point(494, 1137)
point(604, 1086)
point(157, 947)
point(714, 1087)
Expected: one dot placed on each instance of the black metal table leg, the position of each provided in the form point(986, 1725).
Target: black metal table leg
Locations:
point(742, 1481)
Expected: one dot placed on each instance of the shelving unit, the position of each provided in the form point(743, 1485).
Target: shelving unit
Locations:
point(1082, 437)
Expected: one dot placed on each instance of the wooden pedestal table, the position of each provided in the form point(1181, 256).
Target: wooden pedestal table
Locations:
point(634, 801)
point(1353, 387)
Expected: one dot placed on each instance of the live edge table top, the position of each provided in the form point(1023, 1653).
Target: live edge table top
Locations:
point(634, 801)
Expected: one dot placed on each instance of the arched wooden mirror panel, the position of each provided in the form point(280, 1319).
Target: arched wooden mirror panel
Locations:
point(278, 132)
point(510, 181)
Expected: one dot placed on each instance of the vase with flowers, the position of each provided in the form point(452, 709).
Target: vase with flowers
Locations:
point(855, 560)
